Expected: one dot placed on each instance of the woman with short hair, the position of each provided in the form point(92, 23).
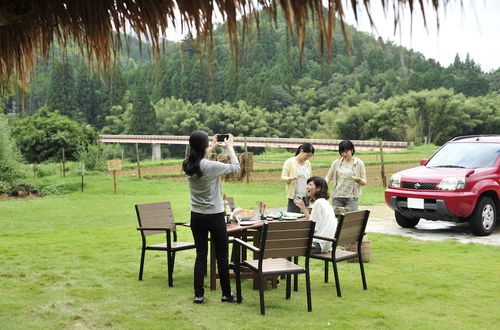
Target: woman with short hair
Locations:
point(322, 213)
point(348, 174)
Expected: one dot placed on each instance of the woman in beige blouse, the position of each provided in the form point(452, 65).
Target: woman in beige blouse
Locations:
point(348, 174)
point(295, 173)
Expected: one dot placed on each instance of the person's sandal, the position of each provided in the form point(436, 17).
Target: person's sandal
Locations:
point(198, 300)
point(231, 299)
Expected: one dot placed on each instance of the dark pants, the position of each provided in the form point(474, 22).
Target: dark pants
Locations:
point(201, 225)
point(291, 207)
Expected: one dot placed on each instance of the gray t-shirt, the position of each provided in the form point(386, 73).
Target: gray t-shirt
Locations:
point(206, 194)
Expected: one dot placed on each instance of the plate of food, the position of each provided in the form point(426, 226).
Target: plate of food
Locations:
point(294, 214)
point(247, 222)
point(243, 214)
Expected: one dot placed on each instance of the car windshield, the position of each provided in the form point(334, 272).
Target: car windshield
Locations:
point(466, 155)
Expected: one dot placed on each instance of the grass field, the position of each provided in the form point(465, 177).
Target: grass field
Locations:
point(71, 261)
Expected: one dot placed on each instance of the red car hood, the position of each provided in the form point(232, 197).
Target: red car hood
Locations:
point(432, 174)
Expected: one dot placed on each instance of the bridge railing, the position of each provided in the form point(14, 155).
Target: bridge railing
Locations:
point(326, 144)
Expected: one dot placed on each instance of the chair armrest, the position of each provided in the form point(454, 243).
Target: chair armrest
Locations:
point(246, 245)
point(324, 238)
point(153, 228)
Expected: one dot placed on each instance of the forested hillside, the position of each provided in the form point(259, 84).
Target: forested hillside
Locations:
point(382, 91)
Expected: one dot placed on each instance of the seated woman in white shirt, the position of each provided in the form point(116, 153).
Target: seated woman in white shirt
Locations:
point(322, 213)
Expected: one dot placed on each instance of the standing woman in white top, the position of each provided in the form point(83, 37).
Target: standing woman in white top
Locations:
point(295, 173)
point(348, 174)
point(322, 213)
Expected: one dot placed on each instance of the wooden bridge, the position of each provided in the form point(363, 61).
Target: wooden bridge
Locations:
point(289, 143)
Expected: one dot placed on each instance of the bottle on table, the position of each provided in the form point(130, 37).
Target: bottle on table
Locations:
point(263, 212)
point(227, 208)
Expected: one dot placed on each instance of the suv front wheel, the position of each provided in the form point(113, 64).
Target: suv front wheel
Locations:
point(405, 222)
point(482, 220)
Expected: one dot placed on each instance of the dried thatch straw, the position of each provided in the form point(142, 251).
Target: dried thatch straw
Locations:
point(29, 27)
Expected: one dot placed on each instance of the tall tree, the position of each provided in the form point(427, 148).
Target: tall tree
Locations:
point(62, 92)
point(86, 97)
point(142, 117)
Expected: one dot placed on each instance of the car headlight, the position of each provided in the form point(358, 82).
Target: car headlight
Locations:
point(395, 181)
point(452, 183)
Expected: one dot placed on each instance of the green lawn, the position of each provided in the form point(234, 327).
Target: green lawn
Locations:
point(71, 261)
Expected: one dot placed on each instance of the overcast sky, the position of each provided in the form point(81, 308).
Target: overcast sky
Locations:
point(475, 29)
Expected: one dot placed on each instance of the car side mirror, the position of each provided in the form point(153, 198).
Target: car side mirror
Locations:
point(424, 161)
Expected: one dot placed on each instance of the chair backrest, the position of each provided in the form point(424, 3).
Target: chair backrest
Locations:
point(283, 239)
point(351, 227)
point(155, 215)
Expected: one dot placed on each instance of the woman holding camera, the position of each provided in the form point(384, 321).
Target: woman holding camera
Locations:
point(207, 209)
point(348, 174)
point(295, 173)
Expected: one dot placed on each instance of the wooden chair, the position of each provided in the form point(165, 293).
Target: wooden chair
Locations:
point(280, 241)
point(157, 219)
point(350, 229)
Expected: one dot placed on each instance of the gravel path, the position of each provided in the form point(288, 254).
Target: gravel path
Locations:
point(382, 221)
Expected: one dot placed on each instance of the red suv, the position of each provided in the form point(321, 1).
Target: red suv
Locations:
point(460, 182)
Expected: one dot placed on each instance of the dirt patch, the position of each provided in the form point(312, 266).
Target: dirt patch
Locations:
point(171, 169)
point(6, 197)
point(272, 176)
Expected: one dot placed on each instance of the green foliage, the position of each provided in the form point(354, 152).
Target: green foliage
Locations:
point(62, 92)
point(142, 118)
point(44, 135)
point(112, 151)
point(8, 151)
point(47, 169)
point(92, 156)
point(9, 172)
point(382, 91)
point(60, 188)
point(433, 116)
point(9, 159)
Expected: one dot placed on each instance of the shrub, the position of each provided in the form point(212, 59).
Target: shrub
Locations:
point(9, 173)
point(44, 135)
point(92, 156)
point(8, 151)
point(46, 188)
point(5, 187)
point(112, 151)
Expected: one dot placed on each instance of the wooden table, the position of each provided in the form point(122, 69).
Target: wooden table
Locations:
point(235, 230)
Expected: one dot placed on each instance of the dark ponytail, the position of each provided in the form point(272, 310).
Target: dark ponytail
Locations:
point(198, 141)
point(305, 147)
